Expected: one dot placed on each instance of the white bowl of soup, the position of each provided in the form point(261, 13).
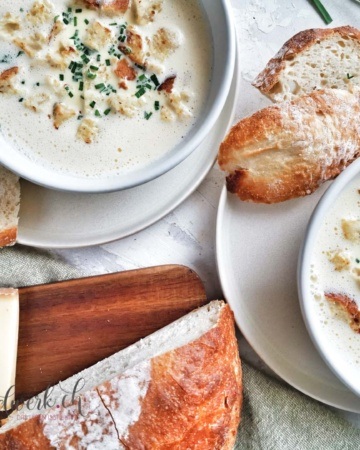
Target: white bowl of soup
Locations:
point(329, 277)
point(104, 95)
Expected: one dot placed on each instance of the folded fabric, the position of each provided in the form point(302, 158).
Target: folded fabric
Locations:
point(275, 416)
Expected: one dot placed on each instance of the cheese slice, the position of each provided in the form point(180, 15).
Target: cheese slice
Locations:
point(9, 331)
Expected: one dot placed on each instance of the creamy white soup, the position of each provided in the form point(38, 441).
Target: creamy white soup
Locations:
point(98, 87)
point(335, 278)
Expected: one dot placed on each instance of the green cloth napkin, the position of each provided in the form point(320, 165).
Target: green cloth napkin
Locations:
point(274, 417)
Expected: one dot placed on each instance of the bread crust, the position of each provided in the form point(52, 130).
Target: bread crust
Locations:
point(269, 77)
point(8, 237)
point(193, 400)
point(289, 150)
point(349, 306)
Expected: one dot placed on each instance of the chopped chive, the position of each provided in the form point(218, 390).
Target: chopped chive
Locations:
point(97, 113)
point(23, 82)
point(155, 80)
point(75, 21)
point(85, 58)
point(113, 24)
point(322, 11)
point(147, 115)
point(357, 260)
point(21, 9)
point(66, 22)
point(107, 111)
point(86, 21)
point(157, 105)
point(61, 76)
point(91, 75)
point(142, 77)
point(20, 53)
point(69, 9)
point(95, 68)
point(78, 10)
point(92, 104)
point(21, 100)
point(37, 84)
point(349, 76)
point(99, 86)
point(71, 95)
point(107, 61)
point(81, 86)
point(140, 93)
point(67, 88)
point(82, 97)
point(80, 116)
point(56, 18)
point(98, 58)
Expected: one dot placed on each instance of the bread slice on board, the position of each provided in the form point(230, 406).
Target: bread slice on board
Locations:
point(179, 388)
point(9, 207)
point(313, 59)
point(289, 150)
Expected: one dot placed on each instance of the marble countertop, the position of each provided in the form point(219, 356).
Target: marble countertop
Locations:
point(187, 235)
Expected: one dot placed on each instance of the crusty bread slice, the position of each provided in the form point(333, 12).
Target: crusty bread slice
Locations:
point(9, 207)
point(313, 59)
point(178, 388)
point(289, 150)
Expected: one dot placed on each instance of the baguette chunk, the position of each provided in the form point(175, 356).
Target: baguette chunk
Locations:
point(289, 150)
point(313, 59)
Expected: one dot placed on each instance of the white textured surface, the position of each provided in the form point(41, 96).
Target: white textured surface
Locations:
point(187, 235)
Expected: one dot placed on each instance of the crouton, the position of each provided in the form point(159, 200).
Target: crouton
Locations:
point(351, 229)
point(346, 306)
point(109, 7)
point(9, 24)
point(177, 100)
point(167, 85)
point(339, 259)
point(167, 115)
point(7, 79)
point(114, 7)
point(61, 58)
point(31, 45)
point(97, 36)
point(87, 130)
point(164, 43)
point(125, 105)
point(61, 113)
point(134, 47)
point(37, 102)
point(145, 10)
point(124, 71)
point(56, 29)
point(40, 12)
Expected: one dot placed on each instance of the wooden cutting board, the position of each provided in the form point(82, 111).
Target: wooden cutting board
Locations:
point(68, 326)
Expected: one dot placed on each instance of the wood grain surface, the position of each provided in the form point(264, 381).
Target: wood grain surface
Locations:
point(68, 326)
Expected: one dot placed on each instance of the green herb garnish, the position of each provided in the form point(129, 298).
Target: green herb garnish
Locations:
point(147, 115)
point(107, 111)
point(97, 113)
point(322, 11)
point(92, 104)
point(157, 105)
point(349, 76)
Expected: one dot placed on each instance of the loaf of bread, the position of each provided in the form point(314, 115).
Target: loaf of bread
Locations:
point(179, 388)
point(9, 207)
point(313, 59)
point(290, 149)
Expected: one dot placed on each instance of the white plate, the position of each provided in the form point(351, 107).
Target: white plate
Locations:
point(258, 245)
point(64, 220)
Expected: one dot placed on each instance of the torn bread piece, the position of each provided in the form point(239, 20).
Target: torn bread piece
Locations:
point(164, 43)
point(347, 307)
point(8, 80)
point(289, 150)
point(97, 36)
point(313, 59)
point(179, 388)
point(133, 47)
point(146, 10)
point(9, 207)
point(109, 7)
point(87, 130)
point(62, 113)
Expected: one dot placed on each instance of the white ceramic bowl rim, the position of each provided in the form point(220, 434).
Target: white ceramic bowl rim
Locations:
point(224, 44)
point(314, 225)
